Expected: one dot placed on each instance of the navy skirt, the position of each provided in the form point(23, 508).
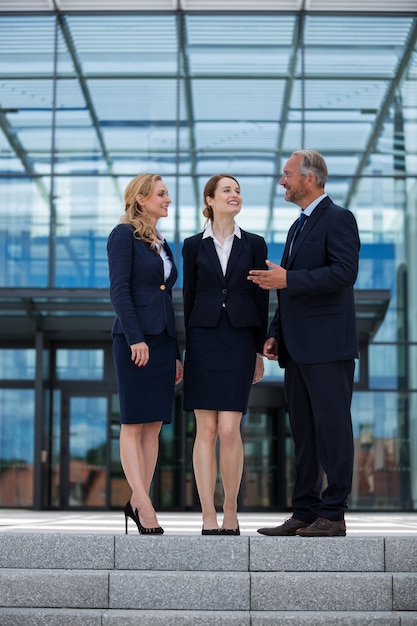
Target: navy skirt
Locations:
point(219, 367)
point(146, 394)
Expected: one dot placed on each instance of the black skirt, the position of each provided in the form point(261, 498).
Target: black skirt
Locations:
point(219, 367)
point(146, 394)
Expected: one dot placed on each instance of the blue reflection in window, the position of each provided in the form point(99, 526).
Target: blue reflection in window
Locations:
point(17, 409)
point(79, 364)
point(17, 364)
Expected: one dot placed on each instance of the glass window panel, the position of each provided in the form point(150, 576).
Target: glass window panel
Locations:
point(251, 44)
point(87, 451)
point(226, 100)
point(15, 364)
point(25, 43)
point(79, 364)
point(125, 44)
point(388, 366)
point(28, 130)
point(377, 39)
point(24, 232)
point(17, 409)
point(384, 438)
point(87, 209)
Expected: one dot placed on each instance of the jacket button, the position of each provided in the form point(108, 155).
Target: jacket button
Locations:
point(224, 290)
point(162, 287)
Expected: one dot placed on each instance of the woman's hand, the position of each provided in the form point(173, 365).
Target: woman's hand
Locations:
point(179, 371)
point(140, 353)
point(259, 370)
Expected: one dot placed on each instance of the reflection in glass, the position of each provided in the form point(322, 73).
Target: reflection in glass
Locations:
point(15, 364)
point(17, 411)
point(79, 364)
point(24, 232)
point(88, 451)
point(382, 425)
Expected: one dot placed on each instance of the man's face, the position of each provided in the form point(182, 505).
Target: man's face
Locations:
point(293, 182)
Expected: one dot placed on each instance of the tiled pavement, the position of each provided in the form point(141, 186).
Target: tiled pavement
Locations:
point(28, 521)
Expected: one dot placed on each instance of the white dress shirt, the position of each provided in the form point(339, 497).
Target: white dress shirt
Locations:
point(223, 250)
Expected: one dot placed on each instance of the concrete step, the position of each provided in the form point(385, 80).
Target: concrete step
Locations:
point(56, 579)
point(72, 617)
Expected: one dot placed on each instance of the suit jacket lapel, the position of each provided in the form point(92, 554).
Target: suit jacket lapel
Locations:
point(174, 273)
point(209, 248)
point(286, 252)
point(308, 227)
point(234, 254)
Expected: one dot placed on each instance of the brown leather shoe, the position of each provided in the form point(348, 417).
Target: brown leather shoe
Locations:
point(287, 529)
point(323, 528)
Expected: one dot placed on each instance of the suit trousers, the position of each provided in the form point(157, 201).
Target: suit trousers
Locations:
point(319, 399)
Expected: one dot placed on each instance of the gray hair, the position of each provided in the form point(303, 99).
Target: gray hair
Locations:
point(313, 163)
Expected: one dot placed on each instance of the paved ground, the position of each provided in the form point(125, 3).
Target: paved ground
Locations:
point(358, 524)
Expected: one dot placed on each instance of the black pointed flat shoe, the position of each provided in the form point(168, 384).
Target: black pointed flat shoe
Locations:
point(230, 531)
point(211, 531)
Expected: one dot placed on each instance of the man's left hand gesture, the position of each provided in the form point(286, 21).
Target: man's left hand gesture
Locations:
point(274, 278)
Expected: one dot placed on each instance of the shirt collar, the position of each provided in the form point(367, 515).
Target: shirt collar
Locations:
point(308, 210)
point(208, 232)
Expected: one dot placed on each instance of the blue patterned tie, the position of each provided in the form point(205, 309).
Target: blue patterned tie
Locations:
point(300, 225)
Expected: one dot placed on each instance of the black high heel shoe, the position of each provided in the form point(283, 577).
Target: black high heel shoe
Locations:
point(134, 515)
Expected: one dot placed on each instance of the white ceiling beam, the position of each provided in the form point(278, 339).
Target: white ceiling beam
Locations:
point(356, 6)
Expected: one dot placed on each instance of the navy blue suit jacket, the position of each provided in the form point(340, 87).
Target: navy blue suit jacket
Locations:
point(315, 320)
point(140, 296)
point(206, 289)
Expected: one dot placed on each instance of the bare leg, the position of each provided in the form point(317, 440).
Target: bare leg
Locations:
point(205, 464)
point(231, 464)
point(138, 453)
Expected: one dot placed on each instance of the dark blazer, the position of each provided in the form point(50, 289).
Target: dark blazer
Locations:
point(315, 319)
point(205, 289)
point(141, 298)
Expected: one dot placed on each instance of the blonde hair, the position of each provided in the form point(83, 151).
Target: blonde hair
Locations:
point(143, 185)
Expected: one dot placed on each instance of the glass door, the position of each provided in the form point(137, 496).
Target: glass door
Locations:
point(84, 451)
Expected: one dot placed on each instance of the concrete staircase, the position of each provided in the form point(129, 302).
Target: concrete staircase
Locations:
point(109, 580)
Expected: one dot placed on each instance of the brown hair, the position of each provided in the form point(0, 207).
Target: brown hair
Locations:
point(210, 190)
point(143, 185)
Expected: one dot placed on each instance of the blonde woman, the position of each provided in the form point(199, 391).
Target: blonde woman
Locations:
point(145, 350)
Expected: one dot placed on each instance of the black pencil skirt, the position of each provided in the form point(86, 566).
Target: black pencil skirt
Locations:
point(219, 367)
point(146, 394)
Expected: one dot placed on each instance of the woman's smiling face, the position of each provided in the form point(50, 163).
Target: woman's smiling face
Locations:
point(227, 198)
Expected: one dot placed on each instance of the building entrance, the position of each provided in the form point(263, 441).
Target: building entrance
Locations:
point(84, 460)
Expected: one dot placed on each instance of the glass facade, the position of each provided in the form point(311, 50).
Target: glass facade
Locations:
point(88, 100)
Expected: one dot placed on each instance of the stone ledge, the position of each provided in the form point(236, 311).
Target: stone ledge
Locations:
point(51, 617)
point(401, 554)
point(321, 592)
point(204, 591)
point(54, 588)
point(226, 554)
point(87, 617)
point(57, 551)
point(331, 618)
point(295, 554)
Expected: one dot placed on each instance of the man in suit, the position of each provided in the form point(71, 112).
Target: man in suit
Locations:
point(313, 336)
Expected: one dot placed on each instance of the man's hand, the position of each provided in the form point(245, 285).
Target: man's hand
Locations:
point(274, 278)
point(271, 349)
